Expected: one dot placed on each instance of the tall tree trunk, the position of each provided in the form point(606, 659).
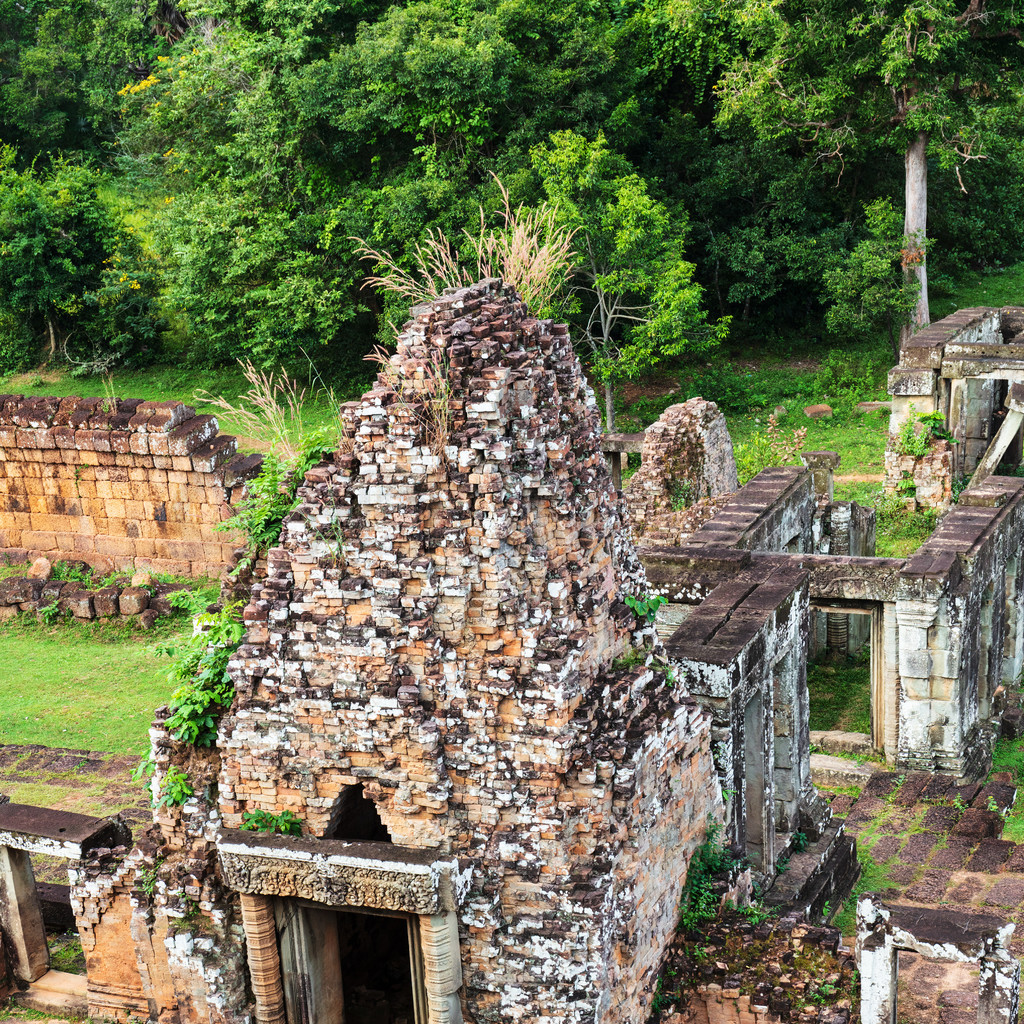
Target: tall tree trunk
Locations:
point(915, 225)
point(609, 407)
point(53, 341)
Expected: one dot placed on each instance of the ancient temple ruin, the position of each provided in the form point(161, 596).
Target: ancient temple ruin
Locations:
point(502, 769)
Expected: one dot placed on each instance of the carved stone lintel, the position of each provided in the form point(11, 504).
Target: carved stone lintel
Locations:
point(338, 880)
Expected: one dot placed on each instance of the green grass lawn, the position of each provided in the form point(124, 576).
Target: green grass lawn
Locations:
point(1001, 287)
point(840, 693)
point(89, 686)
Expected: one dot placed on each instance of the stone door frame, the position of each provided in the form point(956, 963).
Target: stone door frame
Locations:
point(884, 930)
point(25, 830)
point(883, 693)
point(345, 876)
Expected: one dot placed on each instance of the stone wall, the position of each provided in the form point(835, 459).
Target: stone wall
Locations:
point(959, 367)
point(687, 456)
point(129, 485)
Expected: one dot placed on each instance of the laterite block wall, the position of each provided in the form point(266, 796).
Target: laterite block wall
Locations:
point(127, 483)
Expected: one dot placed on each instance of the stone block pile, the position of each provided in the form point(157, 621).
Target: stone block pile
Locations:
point(123, 483)
point(742, 972)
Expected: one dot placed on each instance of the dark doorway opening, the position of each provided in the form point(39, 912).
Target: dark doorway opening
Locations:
point(350, 967)
point(376, 969)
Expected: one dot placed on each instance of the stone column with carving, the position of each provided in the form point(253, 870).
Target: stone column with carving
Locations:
point(442, 967)
point(264, 959)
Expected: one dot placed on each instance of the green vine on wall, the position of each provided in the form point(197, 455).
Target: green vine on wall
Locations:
point(204, 689)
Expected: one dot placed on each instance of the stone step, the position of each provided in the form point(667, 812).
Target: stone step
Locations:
point(56, 992)
point(824, 873)
point(833, 772)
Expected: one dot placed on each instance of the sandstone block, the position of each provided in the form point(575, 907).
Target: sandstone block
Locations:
point(134, 599)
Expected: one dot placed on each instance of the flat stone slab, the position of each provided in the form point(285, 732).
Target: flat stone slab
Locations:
point(885, 848)
point(881, 785)
point(978, 824)
point(61, 833)
point(918, 848)
point(830, 772)
point(941, 819)
point(835, 741)
point(970, 933)
point(990, 855)
point(1007, 892)
point(930, 887)
point(954, 854)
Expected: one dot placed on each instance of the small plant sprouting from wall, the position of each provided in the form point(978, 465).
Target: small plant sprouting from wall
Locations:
point(286, 823)
point(700, 903)
point(272, 495)
point(645, 608)
point(176, 788)
point(915, 434)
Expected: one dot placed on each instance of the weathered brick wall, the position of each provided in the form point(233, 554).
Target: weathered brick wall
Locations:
point(441, 624)
point(687, 456)
point(130, 485)
point(162, 936)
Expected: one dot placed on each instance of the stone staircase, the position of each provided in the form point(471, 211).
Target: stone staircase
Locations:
point(817, 880)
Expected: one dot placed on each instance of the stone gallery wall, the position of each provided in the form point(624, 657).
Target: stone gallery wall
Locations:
point(444, 626)
point(960, 368)
point(125, 484)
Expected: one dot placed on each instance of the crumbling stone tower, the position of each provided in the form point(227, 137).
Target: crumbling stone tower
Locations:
point(442, 679)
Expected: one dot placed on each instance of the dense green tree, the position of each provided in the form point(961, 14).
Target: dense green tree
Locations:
point(640, 303)
point(869, 291)
point(72, 276)
point(905, 77)
point(61, 64)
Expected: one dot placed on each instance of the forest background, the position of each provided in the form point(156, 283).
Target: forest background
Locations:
point(193, 183)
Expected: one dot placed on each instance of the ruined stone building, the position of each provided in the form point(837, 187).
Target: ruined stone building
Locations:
point(501, 769)
point(443, 680)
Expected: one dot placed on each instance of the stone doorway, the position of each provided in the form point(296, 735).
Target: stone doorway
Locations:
point(850, 645)
point(346, 932)
point(348, 966)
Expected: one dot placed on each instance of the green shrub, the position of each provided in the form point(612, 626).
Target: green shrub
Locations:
point(285, 823)
point(70, 572)
point(204, 688)
point(770, 447)
point(700, 903)
point(272, 495)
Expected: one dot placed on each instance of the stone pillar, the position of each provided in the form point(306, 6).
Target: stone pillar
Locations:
point(1000, 988)
point(442, 967)
point(822, 466)
point(916, 740)
point(886, 695)
point(877, 963)
point(263, 957)
point(21, 918)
